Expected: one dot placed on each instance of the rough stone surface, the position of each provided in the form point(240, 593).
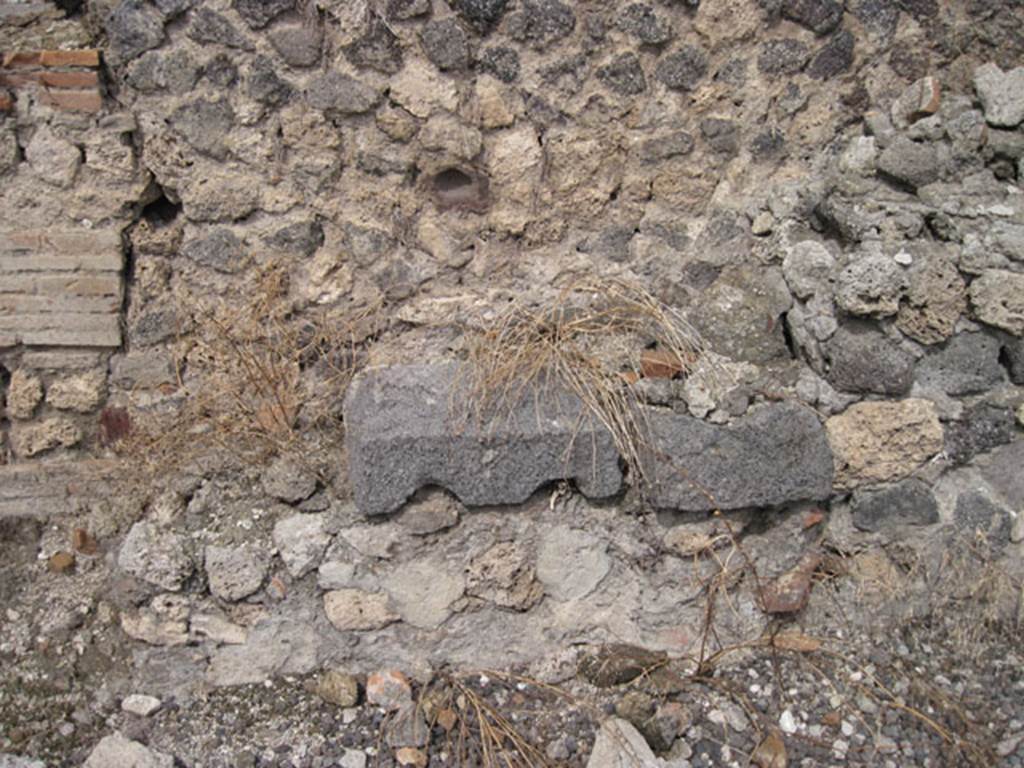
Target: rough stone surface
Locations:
point(1001, 94)
point(786, 56)
point(54, 159)
point(740, 315)
point(908, 502)
point(977, 513)
point(910, 163)
point(834, 58)
point(358, 610)
point(876, 442)
point(274, 647)
point(624, 75)
point(997, 298)
point(134, 27)
point(1001, 470)
point(968, 363)
point(774, 455)
point(936, 297)
point(298, 44)
point(505, 576)
point(388, 689)
point(863, 360)
point(155, 555)
point(541, 22)
point(301, 540)
point(24, 393)
point(117, 751)
point(286, 479)
point(338, 688)
point(208, 26)
point(338, 94)
point(820, 16)
point(428, 512)
point(644, 23)
point(140, 704)
point(81, 394)
point(571, 563)
point(683, 69)
point(405, 430)
point(220, 250)
point(871, 285)
point(620, 745)
point(258, 13)
point(423, 591)
point(445, 44)
point(235, 572)
point(28, 440)
point(979, 429)
point(483, 14)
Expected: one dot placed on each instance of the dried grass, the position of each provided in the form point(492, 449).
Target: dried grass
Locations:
point(246, 383)
point(588, 339)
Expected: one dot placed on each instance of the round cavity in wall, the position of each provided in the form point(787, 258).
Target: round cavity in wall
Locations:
point(460, 189)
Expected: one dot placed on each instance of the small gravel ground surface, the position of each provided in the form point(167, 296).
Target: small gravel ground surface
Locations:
point(909, 698)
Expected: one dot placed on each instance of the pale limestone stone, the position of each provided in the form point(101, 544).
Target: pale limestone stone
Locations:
point(420, 90)
point(445, 134)
point(356, 609)
point(875, 442)
point(55, 160)
point(31, 440)
point(423, 591)
point(515, 167)
point(81, 394)
point(23, 395)
point(117, 751)
point(997, 298)
point(495, 105)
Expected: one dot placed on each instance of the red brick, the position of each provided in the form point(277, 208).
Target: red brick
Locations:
point(18, 59)
point(6, 102)
point(74, 101)
point(19, 79)
point(69, 79)
point(85, 58)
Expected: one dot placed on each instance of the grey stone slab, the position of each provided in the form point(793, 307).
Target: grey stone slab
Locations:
point(908, 502)
point(409, 426)
point(776, 454)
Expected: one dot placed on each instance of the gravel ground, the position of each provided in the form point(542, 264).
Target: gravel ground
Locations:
point(909, 698)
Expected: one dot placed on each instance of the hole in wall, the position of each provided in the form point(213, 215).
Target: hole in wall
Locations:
point(455, 188)
point(5, 381)
point(71, 8)
point(161, 211)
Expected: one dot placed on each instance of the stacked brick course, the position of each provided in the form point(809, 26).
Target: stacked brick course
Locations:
point(67, 80)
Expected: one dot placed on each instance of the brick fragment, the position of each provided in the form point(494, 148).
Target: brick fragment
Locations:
point(6, 102)
point(70, 79)
point(17, 59)
point(74, 101)
point(83, 58)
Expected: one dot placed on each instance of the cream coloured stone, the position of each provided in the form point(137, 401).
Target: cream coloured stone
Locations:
point(515, 163)
point(875, 442)
point(494, 103)
point(356, 609)
point(32, 439)
point(421, 91)
point(23, 395)
point(81, 394)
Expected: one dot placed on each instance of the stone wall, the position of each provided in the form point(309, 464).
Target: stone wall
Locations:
point(830, 193)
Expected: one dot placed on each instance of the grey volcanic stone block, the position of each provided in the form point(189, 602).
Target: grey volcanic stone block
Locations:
point(909, 502)
point(777, 454)
point(967, 364)
point(864, 360)
point(408, 426)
